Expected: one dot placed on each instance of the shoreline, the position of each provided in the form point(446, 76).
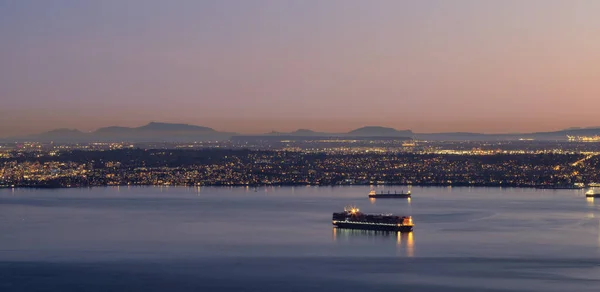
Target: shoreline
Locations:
point(516, 186)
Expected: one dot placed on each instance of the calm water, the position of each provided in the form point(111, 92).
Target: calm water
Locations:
point(281, 239)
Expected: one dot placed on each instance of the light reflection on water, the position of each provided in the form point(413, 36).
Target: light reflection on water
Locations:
point(464, 233)
point(404, 242)
point(407, 240)
point(374, 200)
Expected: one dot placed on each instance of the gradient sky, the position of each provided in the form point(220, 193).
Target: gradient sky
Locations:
point(256, 66)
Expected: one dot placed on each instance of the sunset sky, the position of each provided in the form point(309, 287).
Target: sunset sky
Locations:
point(257, 66)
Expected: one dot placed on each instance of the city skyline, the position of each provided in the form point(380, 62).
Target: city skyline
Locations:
point(254, 67)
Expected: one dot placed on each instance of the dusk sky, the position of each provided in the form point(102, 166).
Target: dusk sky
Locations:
point(257, 66)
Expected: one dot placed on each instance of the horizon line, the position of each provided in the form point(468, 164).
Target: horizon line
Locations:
point(266, 132)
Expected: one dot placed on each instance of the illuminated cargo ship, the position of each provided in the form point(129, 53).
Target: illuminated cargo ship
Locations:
point(352, 218)
point(592, 194)
point(395, 195)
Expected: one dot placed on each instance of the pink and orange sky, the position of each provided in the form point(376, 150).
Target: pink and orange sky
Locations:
point(257, 66)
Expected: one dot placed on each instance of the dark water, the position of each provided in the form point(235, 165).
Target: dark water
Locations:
point(281, 239)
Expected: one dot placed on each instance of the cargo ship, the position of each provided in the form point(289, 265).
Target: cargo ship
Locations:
point(592, 194)
point(388, 195)
point(352, 218)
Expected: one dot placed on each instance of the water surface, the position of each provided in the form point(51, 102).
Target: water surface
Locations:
point(273, 239)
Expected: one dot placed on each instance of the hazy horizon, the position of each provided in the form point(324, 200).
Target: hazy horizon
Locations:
point(340, 131)
point(275, 65)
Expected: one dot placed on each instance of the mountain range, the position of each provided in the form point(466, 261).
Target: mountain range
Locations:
point(369, 131)
point(167, 132)
point(152, 132)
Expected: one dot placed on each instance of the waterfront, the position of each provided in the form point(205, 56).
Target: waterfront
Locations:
point(228, 167)
point(281, 238)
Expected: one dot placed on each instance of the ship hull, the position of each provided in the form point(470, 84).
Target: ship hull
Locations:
point(592, 195)
point(389, 196)
point(362, 226)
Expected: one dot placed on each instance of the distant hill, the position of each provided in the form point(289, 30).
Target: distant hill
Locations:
point(371, 131)
point(560, 135)
point(299, 133)
point(152, 132)
point(571, 132)
point(376, 131)
point(166, 127)
point(66, 135)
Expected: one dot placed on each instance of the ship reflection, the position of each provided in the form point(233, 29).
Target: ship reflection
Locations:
point(598, 235)
point(590, 201)
point(348, 234)
point(404, 242)
point(373, 200)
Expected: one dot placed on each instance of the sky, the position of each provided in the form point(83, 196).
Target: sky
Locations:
point(258, 66)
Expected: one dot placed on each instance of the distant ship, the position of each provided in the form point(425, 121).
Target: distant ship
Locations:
point(388, 195)
point(352, 218)
point(592, 194)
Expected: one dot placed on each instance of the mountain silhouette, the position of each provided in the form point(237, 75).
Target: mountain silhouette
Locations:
point(151, 132)
point(63, 135)
point(172, 132)
point(370, 131)
point(166, 127)
point(377, 131)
